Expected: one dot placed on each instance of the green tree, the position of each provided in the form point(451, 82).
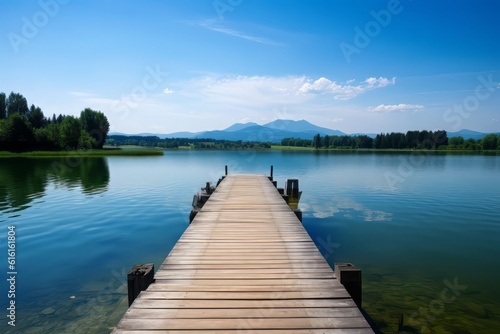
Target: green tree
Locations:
point(317, 141)
point(489, 142)
point(326, 141)
point(85, 142)
point(70, 130)
point(440, 138)
point(16, 133)
point(470, 144)
point(96, 125)
point(36, 117)
point(17, 104)
point(3, 106)
point(54, 135)
point(456, 142)
point(365, 142)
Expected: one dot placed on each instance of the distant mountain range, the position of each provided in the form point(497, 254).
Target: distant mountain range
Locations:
point(277, 130)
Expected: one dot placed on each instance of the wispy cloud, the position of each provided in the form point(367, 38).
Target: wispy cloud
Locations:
point(92, 99)
point(389, 108)
point(345, 91)
point(167, 91)
point(216, 26)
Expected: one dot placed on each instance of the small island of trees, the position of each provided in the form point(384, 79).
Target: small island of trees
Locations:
point(24, 128)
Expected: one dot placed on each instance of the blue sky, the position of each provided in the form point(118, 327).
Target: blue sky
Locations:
point(177, 65)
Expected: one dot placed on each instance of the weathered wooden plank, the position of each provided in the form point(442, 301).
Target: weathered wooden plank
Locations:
point(304, 282)
point(250, 295)
point(267, 264)
point(180, 274)
point(223, 303)
point(259, 331)
point(241, 324)
point(320, 312)
point(242, 288)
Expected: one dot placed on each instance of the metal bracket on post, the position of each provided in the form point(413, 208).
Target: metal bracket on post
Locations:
point(350, 277)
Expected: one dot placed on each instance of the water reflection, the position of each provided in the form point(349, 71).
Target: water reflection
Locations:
point(24, 180)
point(347, 208)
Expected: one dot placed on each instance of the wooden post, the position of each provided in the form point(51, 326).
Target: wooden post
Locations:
point(139, 278)
point(225, 169)
point(208, 188)
point(271, 176)
point(292, 188)
point(350, 277)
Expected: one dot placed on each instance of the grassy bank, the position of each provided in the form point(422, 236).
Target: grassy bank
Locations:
point(106, 152)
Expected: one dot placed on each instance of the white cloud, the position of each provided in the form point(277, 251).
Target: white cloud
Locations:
point(402, 107)
point(167, 91)
point(259, 90)
point(216, 26)
point(346, 91)
point(337, 120)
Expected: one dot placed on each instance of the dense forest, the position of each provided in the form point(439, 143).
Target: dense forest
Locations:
point(24, 128)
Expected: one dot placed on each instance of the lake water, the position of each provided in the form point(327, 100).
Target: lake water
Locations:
point(425, 229)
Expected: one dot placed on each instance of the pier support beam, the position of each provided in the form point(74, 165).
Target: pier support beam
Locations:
point(350, 277)
point(138, 279)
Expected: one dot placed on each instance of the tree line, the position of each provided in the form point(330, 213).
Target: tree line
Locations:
point(24, 128)
point(432, 140)
point(197, 143)
point(337, 142)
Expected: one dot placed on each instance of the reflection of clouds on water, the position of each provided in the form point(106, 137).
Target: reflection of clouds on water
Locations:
point(345, 207)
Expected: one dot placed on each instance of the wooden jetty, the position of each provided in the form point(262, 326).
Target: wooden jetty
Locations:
point(244, 265)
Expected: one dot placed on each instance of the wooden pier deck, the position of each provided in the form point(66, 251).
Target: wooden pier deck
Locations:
point(244, 265)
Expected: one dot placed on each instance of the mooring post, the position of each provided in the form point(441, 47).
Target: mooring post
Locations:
point(225, 167)
point(292, 188)
point(350, 277)
point(271, 175)
point(138, 279)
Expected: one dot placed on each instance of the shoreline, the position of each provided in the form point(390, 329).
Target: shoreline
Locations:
point(127, 152)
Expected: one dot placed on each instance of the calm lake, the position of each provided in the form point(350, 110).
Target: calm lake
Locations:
point(424, 228)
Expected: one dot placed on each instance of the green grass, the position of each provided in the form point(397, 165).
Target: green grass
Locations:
point(292, 148)
point(106, 152)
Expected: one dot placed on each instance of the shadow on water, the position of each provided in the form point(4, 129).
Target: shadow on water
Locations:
point(24, 180)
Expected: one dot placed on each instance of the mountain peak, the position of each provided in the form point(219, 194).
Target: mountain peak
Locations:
point(300, 126)
point(239, 126)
